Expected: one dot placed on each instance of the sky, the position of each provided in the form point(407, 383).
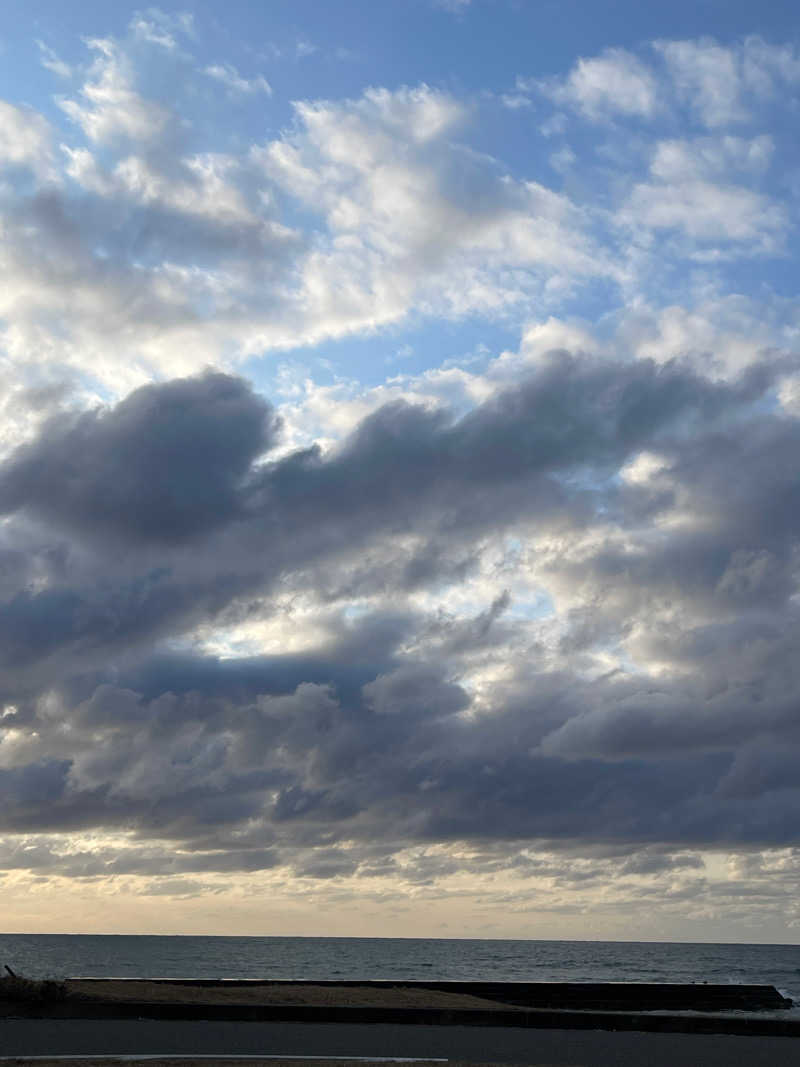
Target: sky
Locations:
point(399, 498)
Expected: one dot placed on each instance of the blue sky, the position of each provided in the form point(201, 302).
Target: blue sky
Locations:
point(399, 512)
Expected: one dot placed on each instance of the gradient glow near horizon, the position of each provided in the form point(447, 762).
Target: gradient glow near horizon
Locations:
point(400, 469)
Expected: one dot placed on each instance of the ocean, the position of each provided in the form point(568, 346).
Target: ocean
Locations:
point(128, 956)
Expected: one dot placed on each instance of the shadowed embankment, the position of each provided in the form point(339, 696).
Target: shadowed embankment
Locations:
point(698, 1008)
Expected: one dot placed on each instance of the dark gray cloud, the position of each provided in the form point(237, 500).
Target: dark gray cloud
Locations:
point(385, 731)
point(575, 416)
point(166, 464)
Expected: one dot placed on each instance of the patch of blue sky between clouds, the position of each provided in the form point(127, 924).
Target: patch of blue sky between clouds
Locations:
point(407, 350)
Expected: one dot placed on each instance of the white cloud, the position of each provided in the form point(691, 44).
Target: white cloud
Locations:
point(25, 139)
point(721, 333)
point(83, 168)
point(707, 76)
point(613, 83)
point(398, 218)
point(203, 188)
point(52, 62)
point(414, 219)
point(693, 192)
point(147, 30)
point(540, 338)
point(111, 107)
point(232, 80)
point(720, 84)
point(709, 213)
point(160, 28)
point(768, 68)
point(711, 157)
point(516, 101)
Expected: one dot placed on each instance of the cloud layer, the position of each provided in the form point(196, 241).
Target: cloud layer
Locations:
point(609, 481)
point(528, 614)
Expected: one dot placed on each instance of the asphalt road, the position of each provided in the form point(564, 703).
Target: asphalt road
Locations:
point(567, 1048)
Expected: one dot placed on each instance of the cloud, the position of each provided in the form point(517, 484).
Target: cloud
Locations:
point(232, 80)
point(52, 62)
point(724, 332)
point(712, 157)
point(166, 463)
point(709, 213)
point(526, 612)
point(388, 731)
point(25, 140)
point(693, 191)
point(185, 256)
point(707, 75)
point(403, 205)
point(159, 28)
point(359, 216)
point(111, 108)
point(615, 82)
point(719, 84)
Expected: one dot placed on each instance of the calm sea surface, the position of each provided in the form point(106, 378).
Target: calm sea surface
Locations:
point(71, 955)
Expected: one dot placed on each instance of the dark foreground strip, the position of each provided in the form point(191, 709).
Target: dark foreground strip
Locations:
point(170, 1057)
point(534, 1019)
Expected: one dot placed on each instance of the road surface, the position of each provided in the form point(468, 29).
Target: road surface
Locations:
point(566, 1048)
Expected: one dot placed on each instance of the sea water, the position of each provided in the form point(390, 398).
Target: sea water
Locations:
point(353, 958)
